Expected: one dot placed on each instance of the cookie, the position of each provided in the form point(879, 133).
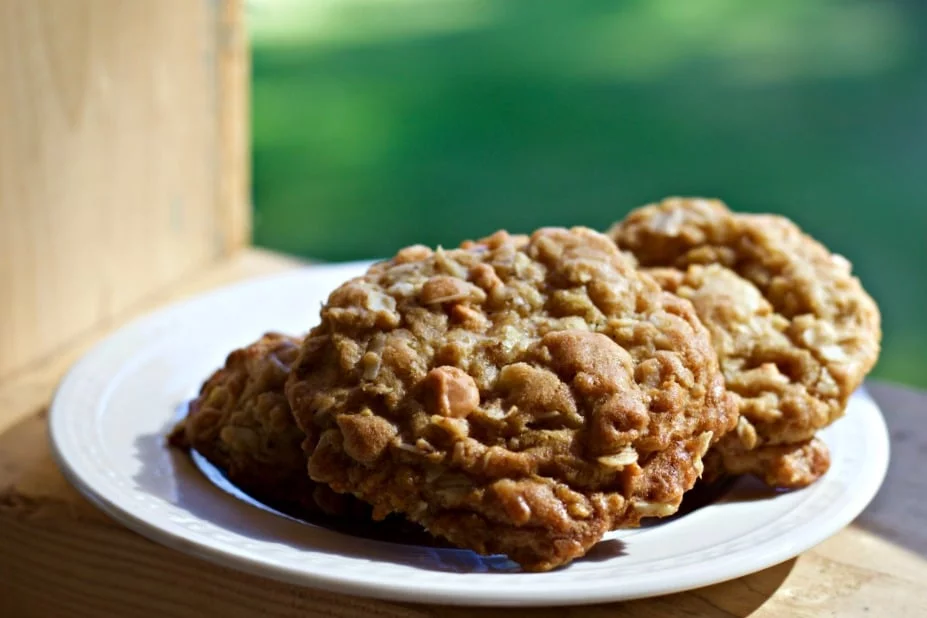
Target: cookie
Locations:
point(242, 424)
point(779, 465)
point(794, 330)
point(519, 395)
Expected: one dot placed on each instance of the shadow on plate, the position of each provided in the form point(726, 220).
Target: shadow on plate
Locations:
point(194, 485)
point(749, 489)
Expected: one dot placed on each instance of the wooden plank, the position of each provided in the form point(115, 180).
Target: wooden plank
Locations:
point(233, 207)
point(31, 389)
point(60, 556)
point(122, 158)
point(51, 538)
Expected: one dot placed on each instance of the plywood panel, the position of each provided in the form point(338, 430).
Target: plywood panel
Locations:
point(123, 158)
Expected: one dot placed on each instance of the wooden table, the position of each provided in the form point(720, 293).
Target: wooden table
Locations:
point(60, 556)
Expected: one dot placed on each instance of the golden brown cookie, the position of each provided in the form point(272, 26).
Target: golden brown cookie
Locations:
point(794, 330)
point(242, 424)
point(518, 395)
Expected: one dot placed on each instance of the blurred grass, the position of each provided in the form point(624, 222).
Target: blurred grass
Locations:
point(379, 124)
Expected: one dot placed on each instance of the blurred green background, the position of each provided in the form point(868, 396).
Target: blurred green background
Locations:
point(381, 123)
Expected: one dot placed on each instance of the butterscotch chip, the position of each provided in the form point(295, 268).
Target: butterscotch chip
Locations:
point(794, 330)
point(518, 395)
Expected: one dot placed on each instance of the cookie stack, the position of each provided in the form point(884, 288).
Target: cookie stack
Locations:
point(524, 395)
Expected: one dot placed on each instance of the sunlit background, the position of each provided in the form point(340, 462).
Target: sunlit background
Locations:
point(380, 123)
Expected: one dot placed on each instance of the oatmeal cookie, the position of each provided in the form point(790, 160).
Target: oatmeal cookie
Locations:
point(795, 332)
point(242, 424)
point(518, 395)
point(779, 465)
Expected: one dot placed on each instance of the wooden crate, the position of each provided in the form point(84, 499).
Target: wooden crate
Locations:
point(123, 158)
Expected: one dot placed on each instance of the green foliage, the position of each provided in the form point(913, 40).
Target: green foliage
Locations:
point(377, 125)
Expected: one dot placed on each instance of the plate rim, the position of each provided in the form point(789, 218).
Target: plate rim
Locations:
point(449, 594)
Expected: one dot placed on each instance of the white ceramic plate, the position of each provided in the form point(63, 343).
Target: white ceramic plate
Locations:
point(111, 413)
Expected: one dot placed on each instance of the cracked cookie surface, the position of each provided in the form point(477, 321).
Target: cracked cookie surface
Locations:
point(794, 330)
point(520, 395)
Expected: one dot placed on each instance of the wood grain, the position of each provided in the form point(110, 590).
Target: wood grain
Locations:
point(122, 158)
point(31, 389)
point(60, 556)
point(233, 181)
